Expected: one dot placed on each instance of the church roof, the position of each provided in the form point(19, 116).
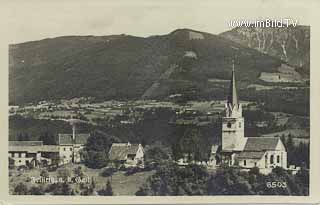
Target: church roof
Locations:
point(261, 143)
point(250, 155)
point(233, 97)
point(66, 139)
point(120, 151)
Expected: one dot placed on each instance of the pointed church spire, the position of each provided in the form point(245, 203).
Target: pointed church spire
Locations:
point(232, 97)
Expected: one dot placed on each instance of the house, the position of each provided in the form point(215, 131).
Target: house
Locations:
point(32, 153)
point(243, 152)
point(70, 146)
point(68, 150)
point(130, 155)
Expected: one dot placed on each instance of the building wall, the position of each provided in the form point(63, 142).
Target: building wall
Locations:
point(70, 153)
point(23, 158)
point(65, 153)
point(139, 157)
point(233, 136)
point(250, 163)
point(77, 153)
point(265, 162)
point(281, 155)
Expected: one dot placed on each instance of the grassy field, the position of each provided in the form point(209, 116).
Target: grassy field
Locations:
point(121, 184)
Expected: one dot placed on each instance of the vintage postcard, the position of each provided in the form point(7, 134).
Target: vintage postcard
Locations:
point(166, 102)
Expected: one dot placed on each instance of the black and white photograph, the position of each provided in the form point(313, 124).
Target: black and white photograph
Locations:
point(158, 100)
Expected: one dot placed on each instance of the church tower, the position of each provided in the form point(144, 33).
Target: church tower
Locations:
point(233, 123)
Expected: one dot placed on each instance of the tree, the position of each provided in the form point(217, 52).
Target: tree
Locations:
point(60, 189)
point(36, 190)
point(170, 179)
point(21, 189)
point(155, 155)
point(48, 139)
point(63, 173)
point(97, 148)
point(107, 191)
point(96, 159)
point(78, 172)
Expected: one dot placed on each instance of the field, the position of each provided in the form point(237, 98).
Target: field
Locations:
point(121, 184)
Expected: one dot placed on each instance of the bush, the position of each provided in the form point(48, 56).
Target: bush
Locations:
point(44, 173)
point(255, 171)
point(133, 170)
point(78, 172)
point(36, 190)
point(107, 191)
point(107, 172)
point(123, 168)
point(63, 173)
point(21, 189)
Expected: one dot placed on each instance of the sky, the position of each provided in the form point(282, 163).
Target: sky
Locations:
point(38, 19)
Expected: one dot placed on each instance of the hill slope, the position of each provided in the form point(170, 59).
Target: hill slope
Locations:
point(291, 44)
point(128, 67)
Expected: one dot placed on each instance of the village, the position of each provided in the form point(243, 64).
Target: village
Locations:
point(236, 150)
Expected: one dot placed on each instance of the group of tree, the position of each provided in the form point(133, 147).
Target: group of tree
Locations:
point(298, 154)
point(191, 143)
point(170, 179)
point(97, 148)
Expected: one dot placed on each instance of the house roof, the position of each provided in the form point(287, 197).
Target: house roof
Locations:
point(25, 143)
point(250, 155)
point(66, 139)
point(34, 148)
point(120, 151)
point(261, 143)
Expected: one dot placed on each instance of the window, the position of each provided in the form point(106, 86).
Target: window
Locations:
point(64, 149)
point(278, 159)
point(19, 160)
point(239, 124)
point(229, 125)
point(255, 164)
point(70, 148)
point(271, 159)
point(245, 162)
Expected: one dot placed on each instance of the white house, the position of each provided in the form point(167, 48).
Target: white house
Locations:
point(70, 146)
point(129, 155)
point(32, 153)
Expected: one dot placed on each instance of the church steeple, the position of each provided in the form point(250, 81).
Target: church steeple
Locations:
point(233, 123)
point(232, 99)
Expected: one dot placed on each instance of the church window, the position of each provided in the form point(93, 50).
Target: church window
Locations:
point(278, 159)
point(271, 159)
point(245, 162)
point(70, 148)
point(255, 164)
point(239, 124)
point(266, 161)
point(229, 125)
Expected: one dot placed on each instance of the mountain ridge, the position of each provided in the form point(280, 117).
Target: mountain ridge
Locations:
point(125, 67)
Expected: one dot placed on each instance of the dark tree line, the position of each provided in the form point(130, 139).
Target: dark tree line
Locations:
point(170, 179)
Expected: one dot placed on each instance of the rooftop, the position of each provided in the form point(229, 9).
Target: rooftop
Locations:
point(120, 151)
point(250, 155)
point(34, 148)
point(25, 143)
point(261, 143)
point(66, 139)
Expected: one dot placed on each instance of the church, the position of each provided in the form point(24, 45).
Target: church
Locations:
point(237, 150)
